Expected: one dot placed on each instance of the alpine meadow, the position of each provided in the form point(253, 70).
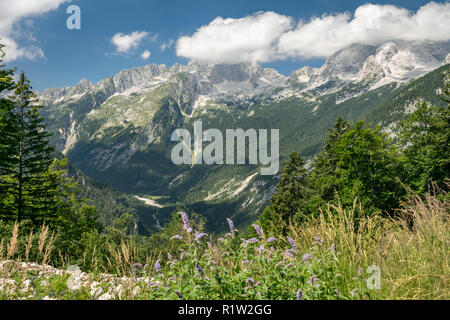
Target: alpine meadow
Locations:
point(219, 177)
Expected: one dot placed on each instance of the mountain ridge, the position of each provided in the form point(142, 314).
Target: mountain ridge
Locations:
point(118, 131)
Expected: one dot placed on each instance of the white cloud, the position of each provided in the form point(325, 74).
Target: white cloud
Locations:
point(248, 39)
point(370, 24)
point(11, 13)
point(125, 42)
point(145, 55)
point(167, 45)
point(270, 36)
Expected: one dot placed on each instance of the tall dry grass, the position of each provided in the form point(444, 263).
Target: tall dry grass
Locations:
point(411, 250)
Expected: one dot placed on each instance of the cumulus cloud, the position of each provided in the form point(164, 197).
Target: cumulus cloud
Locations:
point(370, 24)
point(269, 36)
point(252, 38)
point(13, 12)
point(125, 42)
point(145, 55)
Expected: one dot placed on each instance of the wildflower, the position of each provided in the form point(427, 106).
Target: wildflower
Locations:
point(258, 230)
point(231, 225)
point(177, 237)
point(271, 239)
point(318, 241)
point(138, 266)
point(170, 257)
point(228, 235)
point(299, 295)
point(157, 266)
point(198, 267)
point(184, 217)
point(292, 251)
point(307, 256)
point(199, 236)
point(245, 261)
point(289, 265)
point(221, 240)
point(332, 248)
point(292, 243)
point(289, 254)
point(354, 292)
point(313, 279)
point(260, 249)
point(185, 222)
point(252, 240)
point(178, 293)
point(250, 281)
point(360, 271)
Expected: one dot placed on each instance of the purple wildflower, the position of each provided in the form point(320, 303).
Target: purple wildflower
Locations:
point(293, 251)
point(228, 235)
point(292, 243)
point(289, 254)
point(260, 249)
point(138, 265)
point(289, 265)
point(299, 295)
point(185, 221)
point(354, 292)
point(184, 217)
point(157, 266)
point(198, 267)
point(332, 248)
point(307, 256)
point(169, 256)
point(180, 296)
point(199, 236)
point(318, 241)
point(252, 240)
point(258, 230)
point(231, 225)
point(250, 281)
point(313, 279)
point(271, 239)
point(177, 237)
point(360, 271)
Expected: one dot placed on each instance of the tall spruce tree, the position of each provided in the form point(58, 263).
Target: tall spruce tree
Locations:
point(289, 198)
point(7, 126)
point(325, 166)
point(33, 183)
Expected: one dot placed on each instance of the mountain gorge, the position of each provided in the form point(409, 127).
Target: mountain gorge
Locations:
point(118, 130)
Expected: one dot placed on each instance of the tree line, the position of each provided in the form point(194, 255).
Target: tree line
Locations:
point(363, 162)
point(35, 187)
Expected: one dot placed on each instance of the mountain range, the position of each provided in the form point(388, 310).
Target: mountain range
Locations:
point(118, 130)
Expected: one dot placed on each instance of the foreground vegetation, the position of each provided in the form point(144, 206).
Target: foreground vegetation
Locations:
point(326, 257)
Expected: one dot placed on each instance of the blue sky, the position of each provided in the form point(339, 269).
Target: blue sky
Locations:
point(70, 55)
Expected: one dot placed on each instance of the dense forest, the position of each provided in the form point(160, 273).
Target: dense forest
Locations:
point(368, 198)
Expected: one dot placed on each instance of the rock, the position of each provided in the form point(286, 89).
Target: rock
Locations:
point(105, 296)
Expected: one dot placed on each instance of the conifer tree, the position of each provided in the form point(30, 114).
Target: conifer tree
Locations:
point(33, 183)
point(7, 125)
point(290, 195)
point(426, 135)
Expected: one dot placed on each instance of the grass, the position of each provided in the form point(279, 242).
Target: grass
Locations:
point(331, 256)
